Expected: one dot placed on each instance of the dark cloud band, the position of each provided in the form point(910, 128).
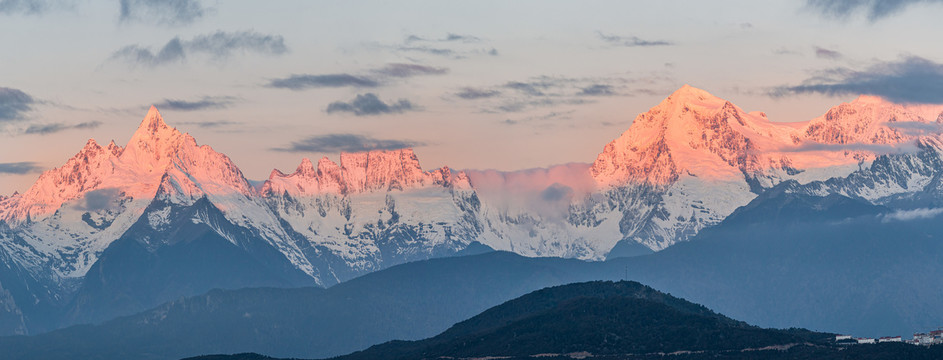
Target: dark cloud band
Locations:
point(909, 80)
point(14, 104)
point(370, 104)
point(205, 103)
point(161, 12)
point(20, 168)
point(630, 41)
point(873, 9)
point(333, 143)
point(218, 46)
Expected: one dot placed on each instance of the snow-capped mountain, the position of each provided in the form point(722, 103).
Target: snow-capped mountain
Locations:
point(690, 161)
point(110, 217)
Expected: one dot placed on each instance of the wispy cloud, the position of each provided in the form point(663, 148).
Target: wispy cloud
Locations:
point(470, 93)
point(630, 41)
point(20, 168)
point(916, 128)
point(161, 12)
point(100, 199)
point(823, 53)
point(549, 91)
point(333, 143)
point(307, 81)
point(873, 9)
point(449, 37)
point(370, 104)
point(205, 103)
point(409, 70)
point(14, 104)
point(914, 214)
point(880, 149)
point(210, 124)
point(370, 79)
point(217, 46)
point(545, 119)
point(909, 80)
point(456, 46)
point(27, 7)
point(43, 129)
point(597, 90)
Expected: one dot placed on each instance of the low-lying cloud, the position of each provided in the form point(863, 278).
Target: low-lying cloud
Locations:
point(20, 168)
point(370, 104)
point(334, 143)
point(909, 80)
point(101, 199)
point(217, 46)
point(880, 149)
point(914, 214)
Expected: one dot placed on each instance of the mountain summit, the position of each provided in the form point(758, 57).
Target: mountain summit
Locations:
point(684, 165)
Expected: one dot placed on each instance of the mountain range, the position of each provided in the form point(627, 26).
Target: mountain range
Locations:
point(119, 229)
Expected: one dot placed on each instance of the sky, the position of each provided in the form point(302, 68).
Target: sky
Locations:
point(471, 85)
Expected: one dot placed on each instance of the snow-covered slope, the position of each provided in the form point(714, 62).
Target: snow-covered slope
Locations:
point(690, 161)
point(682, 166)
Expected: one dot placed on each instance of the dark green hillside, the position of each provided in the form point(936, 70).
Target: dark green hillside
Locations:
point(601, 318)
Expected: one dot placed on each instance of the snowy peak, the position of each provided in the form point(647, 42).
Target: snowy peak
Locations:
point(377, 170)
point(866, 120)
point(381, 169)
point(152, 125)
point(690, 131)
point(136, 171)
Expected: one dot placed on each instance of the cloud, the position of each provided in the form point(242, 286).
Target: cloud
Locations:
point(409, 70)
point(916, 128)
point(456, 46)
point(207, 102)
point(43, 129)
point(14, 104)
point(333, 143)
point(370, 104)
point(448, 38)
point(210, 124)
point(872, 148)
point(532, 88)
point(218, 46)
point(469, 93)
point(161, 12)
point(597, 90)
point(630, 41)
point(20, 168)
point(874, 9)
point(556, 192)
point(25, 7)
point(909, 80)
point(100, 199)
point(306, 81)
point(429, 50)
point(823, 53)
point(910, 215)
